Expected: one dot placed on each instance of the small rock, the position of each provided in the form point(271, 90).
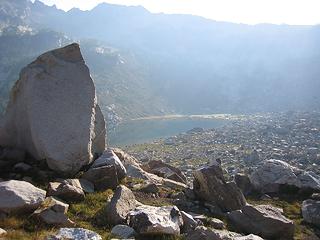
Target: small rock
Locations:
point(149, 220)
point(150, 188)
point(243, 182)
point(86, 186)
point(20, 196)
point(75, 234)
point(53, 212)
point(311, 212)
point(122, 202)
point(315, 196)
point(22, 167)
point(189, 224)
point(123, 231)
point(106, 172)
point(68, 190)
point(216, 223)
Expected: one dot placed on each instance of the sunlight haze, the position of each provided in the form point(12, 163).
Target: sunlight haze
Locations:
point(296, 12)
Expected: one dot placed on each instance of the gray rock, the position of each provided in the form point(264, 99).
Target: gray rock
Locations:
point(59, 118)
point(21, 167)
point(204, 233)
point(315, 196)
point(311, 212)
point(53, 212)
point(210, 185)
point(189, 224)
point(149, 220)
point(165, 170)
point(19, 196)
point(274, 175)
point(216, 223)
point(122, 202)
point(150, 188)
point(123, 231)
point(243, 182)
point(263, 220)
point(68, 190)
point(75, 234)
point(87, 186)
point(106, 172)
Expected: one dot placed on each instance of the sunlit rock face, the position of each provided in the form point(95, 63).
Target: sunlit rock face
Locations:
point(53, 112)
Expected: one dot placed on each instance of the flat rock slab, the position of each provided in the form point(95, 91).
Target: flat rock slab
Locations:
point(20, 196)
point(75, 234)
point(56, 99)
point(263, 220)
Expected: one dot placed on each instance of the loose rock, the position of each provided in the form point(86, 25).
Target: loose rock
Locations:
point(210, 185)
point(311, 212)
point(68, 190)
point(53, 212)
point(122, 202)
point(149, 220)
point(123, 231)
point(75, 234)
point(263, 220)
point(20, 196)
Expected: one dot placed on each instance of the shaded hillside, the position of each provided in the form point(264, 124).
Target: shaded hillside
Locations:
point(186, 63)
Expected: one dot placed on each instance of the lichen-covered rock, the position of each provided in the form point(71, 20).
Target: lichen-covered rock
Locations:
point(75, 234)
point(53, 112)
point(263, 220)
point(274, 174)
point(311, 212)
point(122, 202)
point(123, 232)
point(20, 196)
point(210, 185)
point(149, 220)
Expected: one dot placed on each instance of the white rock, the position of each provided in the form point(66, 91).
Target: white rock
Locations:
point(2, 232)
point(20, 196)
point(149, 220)
point(75, 234)
point(53, 112)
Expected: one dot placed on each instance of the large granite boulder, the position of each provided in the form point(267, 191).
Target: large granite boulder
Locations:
point(149, 220)
point(53, 112)
point(122, 202)
point(210, 186)
point(263, 220)
point(106, 172)
point(311, 212)
point(75, 234)
point(276, 175)
point(20, 196)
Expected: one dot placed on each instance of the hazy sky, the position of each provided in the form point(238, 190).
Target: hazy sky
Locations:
point(241, 11)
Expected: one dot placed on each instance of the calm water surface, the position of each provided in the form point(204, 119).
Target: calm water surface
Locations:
point(141, 131)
